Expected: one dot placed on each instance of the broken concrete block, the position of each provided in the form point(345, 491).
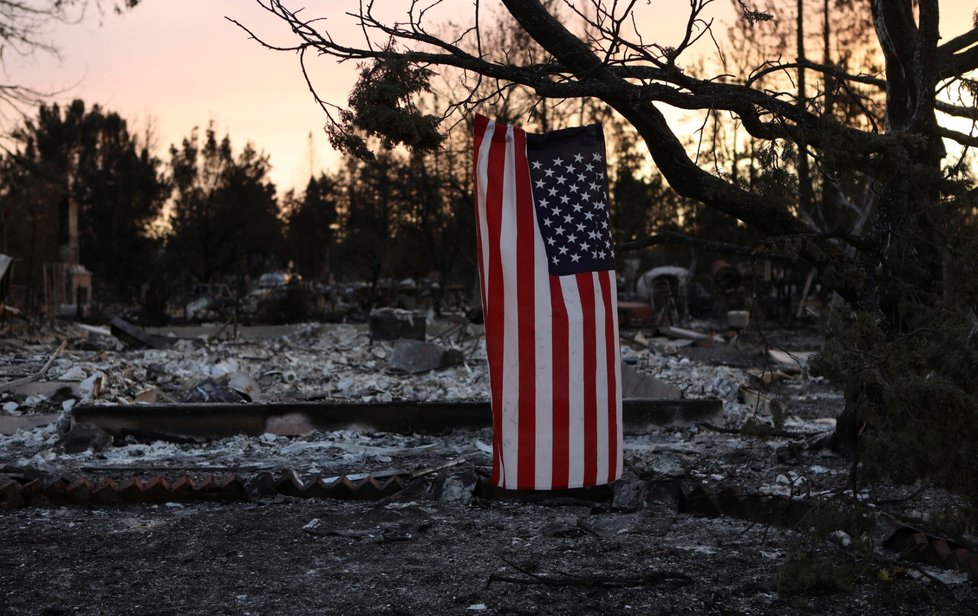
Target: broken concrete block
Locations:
point(792, 362)
point(391, 324)
point(634, 385)
point(92, 387)
point(82, 437)
point(74, 373)
point(10, 425)
point(48, 389)
point(412, 356)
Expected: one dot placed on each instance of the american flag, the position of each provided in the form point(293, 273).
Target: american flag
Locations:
point(549, 296)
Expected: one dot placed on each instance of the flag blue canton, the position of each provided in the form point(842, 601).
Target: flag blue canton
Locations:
point(570, 194)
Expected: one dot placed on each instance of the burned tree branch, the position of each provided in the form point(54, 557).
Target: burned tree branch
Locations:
point(815, 66)
point(674, 237)
point(957, 110)
point(959, 137)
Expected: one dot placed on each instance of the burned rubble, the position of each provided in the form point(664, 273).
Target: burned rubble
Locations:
point(752, 503)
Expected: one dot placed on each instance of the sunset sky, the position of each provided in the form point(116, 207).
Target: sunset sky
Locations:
point(180, 64)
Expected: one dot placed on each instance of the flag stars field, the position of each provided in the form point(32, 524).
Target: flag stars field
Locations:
point(574, 195)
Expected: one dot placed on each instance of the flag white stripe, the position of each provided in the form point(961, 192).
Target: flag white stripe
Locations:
point(482, 183)
point(543, 461)
point(601, 376)
point(575, 369)
point(511, 317)
point(613, 286)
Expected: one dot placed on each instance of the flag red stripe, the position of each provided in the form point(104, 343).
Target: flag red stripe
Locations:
point(585, 285)
point(561, 403)
point(525, 306)
point(494, 310)
point(611, 351)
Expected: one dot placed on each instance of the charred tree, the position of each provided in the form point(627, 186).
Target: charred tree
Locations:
point(901, 273)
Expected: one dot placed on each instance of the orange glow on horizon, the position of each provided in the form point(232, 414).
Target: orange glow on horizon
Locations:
point(178, 64)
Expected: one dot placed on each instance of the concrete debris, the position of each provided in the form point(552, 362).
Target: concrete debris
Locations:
point(211, 390)
point(459, 489)
point(210, 421)
point(91, 388)
point(792, 362)
point(694, 379)
point(84, 437)
point(414, 357)
point(12, 424)
point(637, 385)
point(290, 424)
point(73, 373)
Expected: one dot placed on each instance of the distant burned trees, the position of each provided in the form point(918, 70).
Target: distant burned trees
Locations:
point(406, 216)
point(312, 225)
point(225, 219)
point(90, 156)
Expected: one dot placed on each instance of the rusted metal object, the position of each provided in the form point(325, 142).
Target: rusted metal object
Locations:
point(21, 491)
point(919, 546)
point(725, 276)
point(635, 315)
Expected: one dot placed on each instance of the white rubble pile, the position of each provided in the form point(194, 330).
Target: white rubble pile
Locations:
point(315, 362)
point(320, 452)
point(694, 379)
point(698, 380)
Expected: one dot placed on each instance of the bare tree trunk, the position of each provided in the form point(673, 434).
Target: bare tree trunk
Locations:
point(910, 105)
point(804, 172)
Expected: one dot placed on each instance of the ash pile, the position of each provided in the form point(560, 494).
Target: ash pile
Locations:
point(398, 357)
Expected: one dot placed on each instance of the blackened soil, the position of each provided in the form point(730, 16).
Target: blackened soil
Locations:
point(417, 555)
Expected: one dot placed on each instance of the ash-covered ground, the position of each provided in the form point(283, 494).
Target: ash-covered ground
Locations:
point(446, 543)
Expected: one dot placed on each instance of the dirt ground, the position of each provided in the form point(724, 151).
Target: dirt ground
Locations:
point(416, 555)
point(446, 544)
